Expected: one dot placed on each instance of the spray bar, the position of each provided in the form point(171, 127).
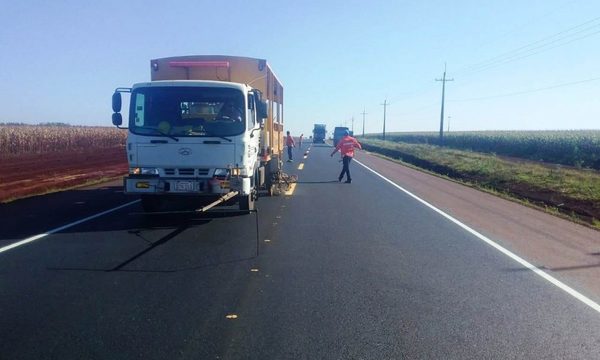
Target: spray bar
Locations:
point(222, 199)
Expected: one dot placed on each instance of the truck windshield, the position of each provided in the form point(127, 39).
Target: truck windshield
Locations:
point(339, 131)
point(187, 111)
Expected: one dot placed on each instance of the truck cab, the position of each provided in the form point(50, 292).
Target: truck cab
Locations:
point(319, 133)
point(338, 133)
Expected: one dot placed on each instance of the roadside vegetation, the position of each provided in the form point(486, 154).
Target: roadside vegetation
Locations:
point(579, 148)
point(37, 159)
point(18, 139)
point(560, 189)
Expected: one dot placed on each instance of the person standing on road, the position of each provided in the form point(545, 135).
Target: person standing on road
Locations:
point(300, 141)
point(289, 141)
point(346, 147)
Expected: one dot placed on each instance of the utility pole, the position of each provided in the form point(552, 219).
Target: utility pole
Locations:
point(363, 114)
point(449, 117)
point(443, 80)
point(385, 104)
point(352, 124)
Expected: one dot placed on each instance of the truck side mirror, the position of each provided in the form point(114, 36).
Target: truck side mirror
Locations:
point(262, 110)
point(116, 102)
point(117, 119)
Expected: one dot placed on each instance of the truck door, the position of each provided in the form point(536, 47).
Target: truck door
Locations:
point(253, 124)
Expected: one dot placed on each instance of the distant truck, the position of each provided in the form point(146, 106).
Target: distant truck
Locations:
point(208, 127)
point(319, 134)
point(338, 133)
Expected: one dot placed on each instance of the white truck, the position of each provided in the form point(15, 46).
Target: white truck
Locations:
point(209, 127)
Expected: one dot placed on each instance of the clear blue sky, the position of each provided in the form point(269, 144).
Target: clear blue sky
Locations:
point(61, 60)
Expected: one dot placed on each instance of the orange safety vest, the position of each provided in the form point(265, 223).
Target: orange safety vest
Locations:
point(346, 146)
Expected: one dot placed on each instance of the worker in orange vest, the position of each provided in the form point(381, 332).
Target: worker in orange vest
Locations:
point(346, 147)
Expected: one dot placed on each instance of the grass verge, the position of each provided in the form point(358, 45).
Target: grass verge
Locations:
point(570, 193)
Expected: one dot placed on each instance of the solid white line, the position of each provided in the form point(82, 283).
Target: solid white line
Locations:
point(577, 295)
point(39, 236)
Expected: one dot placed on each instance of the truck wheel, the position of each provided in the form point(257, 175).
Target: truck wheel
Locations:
point(152, 203)
point(247, 202)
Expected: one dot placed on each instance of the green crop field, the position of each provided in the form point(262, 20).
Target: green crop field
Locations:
point(580, 148)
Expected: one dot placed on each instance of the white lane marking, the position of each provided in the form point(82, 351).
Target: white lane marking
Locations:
point(39, 236)
point(576, 294)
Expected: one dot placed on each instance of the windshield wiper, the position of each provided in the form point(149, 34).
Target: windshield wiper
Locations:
point(204, 133)
point(163, 133)
point(220, 137)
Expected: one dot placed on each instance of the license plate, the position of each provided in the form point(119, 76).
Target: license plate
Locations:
point(184, 186)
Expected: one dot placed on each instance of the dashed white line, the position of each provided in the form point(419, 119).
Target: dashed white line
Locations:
point(574, 293)
point(49, 232)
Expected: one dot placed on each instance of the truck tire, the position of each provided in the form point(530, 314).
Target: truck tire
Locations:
point(247, 202)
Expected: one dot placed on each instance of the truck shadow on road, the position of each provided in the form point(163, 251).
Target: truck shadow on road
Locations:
point(187, 242)
point(127, 240)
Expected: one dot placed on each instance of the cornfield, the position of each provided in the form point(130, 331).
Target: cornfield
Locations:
point(37, 139)
point(580, 148)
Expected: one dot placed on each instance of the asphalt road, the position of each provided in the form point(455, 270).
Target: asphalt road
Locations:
point(338, 271)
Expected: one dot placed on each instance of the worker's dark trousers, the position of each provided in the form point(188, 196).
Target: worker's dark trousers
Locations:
point(289, 153)
point(346, 169)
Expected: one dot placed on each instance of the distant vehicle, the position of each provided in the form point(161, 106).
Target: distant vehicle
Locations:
point(201, 128)
point(319, 133)
point(338, 133)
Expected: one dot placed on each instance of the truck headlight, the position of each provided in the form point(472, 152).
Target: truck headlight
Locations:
point(221, 173)
point(143, 171)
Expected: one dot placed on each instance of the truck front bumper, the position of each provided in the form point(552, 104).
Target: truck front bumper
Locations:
point(140, 184)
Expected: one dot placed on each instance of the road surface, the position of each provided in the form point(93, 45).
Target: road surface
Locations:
point(335, 271)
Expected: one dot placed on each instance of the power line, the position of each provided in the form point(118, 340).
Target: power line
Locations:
point(521, 56)
point(528, 91)
point(527, 24)
point(524, 55)
point(531, 46)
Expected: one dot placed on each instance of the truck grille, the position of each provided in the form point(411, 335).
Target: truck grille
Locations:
point(187, 172)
